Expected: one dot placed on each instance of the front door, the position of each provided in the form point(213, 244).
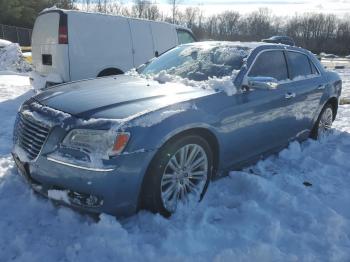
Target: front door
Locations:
point(256, 121)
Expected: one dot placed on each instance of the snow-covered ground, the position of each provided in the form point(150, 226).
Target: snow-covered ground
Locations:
point(264, 213)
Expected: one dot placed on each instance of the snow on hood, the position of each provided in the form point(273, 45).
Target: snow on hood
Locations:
point(11, 58)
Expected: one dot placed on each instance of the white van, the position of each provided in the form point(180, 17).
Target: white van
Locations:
point(73, 45)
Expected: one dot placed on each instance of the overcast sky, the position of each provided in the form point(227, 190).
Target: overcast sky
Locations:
point(282, 7)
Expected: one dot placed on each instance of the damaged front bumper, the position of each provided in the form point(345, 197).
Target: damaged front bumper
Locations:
point(115, 192)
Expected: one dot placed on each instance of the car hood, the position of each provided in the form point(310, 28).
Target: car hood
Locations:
point(116, 97)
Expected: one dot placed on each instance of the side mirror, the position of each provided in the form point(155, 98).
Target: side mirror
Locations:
point(262, 82)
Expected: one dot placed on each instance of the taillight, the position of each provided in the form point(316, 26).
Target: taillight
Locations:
point(62, 35)
point(63, 29)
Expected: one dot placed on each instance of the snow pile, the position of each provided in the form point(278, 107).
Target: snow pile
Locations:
point(59, 195)
point(289, 207)
point(14, 90)
point(59, 116)
point(225, 84)
point(11, 59)
point(4, 43)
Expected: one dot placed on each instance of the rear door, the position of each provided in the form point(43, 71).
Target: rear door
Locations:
point(48, 55)
point(164, 37)
point(142, 41)
point(308, 85)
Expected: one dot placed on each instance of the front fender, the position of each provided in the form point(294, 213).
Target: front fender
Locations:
point(149, 136)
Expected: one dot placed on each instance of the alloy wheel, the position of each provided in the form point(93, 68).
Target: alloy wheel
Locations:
point(325, 122)
point(185, 174)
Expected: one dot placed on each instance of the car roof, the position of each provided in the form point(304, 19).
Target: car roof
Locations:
point(250, 45)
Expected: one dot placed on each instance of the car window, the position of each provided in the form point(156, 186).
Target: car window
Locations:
point(184, 37)
point(314, 69)
point(270, 64)
point(299, 64)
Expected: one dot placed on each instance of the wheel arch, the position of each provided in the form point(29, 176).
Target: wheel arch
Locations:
point(333, 101)
point(110, 71)
point(203, 132)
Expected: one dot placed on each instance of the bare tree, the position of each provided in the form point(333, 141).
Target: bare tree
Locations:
point(145, 9)
point(152, 12)
point(190, 16)
point(101, 6)
point(228, 24)
point(139, 8)
point(174, 8)
point(86, 4)
point(316, 32)
point(65, 4)
point(116, 8)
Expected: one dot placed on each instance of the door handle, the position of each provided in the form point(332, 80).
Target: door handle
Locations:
point(289, 95)
point(321, 87)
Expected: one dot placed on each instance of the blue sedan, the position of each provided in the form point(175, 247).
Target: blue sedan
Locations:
point(124, 143)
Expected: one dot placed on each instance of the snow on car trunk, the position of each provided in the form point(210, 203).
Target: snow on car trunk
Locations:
point(290, 207)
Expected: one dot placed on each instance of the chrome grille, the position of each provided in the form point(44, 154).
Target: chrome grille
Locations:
point(30, 135)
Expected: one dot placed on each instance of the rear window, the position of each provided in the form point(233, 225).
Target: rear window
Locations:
point(270, 64)
point(299, 64)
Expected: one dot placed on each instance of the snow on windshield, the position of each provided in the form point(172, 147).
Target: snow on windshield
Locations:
point(206, 66)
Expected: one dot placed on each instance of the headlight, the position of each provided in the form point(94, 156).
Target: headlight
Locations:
point(97, 141)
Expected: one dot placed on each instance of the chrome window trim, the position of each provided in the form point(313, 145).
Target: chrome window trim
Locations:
point(245, 78)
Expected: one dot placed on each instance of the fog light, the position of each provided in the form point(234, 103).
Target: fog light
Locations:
point(84, 199)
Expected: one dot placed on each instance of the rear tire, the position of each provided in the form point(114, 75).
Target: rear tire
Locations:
point(181, 168)
point(323, 123)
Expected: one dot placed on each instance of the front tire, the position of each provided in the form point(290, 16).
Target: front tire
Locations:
point(324, 123)
point(180, 172)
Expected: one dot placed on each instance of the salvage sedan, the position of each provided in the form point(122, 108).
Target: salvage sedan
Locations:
point(156, 138)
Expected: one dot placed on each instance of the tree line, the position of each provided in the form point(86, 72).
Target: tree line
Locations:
point(314, 31)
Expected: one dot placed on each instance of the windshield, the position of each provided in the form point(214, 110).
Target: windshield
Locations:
point(199, 62)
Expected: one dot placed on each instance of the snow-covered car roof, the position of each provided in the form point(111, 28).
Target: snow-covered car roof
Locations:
point(250, 45)
point(4, 43)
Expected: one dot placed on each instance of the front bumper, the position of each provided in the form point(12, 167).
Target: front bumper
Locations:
point(69, 175)
point(115, 192)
